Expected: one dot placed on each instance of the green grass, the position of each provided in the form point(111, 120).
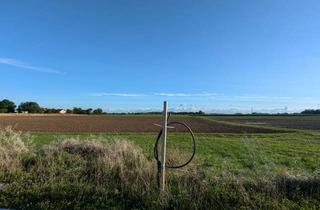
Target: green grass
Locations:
point(292, 152)
point(230, 171)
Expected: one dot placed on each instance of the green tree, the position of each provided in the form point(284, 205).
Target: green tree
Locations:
point(200, 112)
point(30, 107)
point(78, 110)
point(97, 111)
point(88, 111)
point(69, 111)
point(7, 106)
point(51, 110)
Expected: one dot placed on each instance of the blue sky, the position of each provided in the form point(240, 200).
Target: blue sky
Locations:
point(131, 55)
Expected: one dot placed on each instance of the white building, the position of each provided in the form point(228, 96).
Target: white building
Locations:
point(62, 111)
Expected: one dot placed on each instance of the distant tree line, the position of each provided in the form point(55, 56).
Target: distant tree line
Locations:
point(7, 106)
point(311, 111)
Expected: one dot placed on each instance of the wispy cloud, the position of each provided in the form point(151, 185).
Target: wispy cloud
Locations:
point(262, 97)
point(185, 94)
point(154, 94)
point(20, 64)
point(117, 94)
point(250, 100)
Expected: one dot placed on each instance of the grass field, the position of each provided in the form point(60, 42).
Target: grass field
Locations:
point(292, 152)
point(278, 170)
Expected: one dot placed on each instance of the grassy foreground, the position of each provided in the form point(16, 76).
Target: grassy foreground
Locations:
point(256, 171)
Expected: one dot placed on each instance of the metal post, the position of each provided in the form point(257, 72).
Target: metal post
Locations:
point(163, 148)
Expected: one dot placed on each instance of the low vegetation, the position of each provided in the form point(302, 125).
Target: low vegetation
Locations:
point(70, 173)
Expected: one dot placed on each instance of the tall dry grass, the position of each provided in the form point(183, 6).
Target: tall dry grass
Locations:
point(12, 147)
point(120, 160)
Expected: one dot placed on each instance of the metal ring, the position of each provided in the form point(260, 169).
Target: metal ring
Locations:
point(193, 140)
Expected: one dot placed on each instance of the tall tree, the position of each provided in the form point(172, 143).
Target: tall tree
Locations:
point(97, 111)
point(7, 106)
point(30, 107)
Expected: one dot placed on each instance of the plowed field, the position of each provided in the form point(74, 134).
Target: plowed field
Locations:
point(89, 123)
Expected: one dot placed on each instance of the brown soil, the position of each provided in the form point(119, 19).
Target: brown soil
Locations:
point(295, 122)
point(86, 123)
